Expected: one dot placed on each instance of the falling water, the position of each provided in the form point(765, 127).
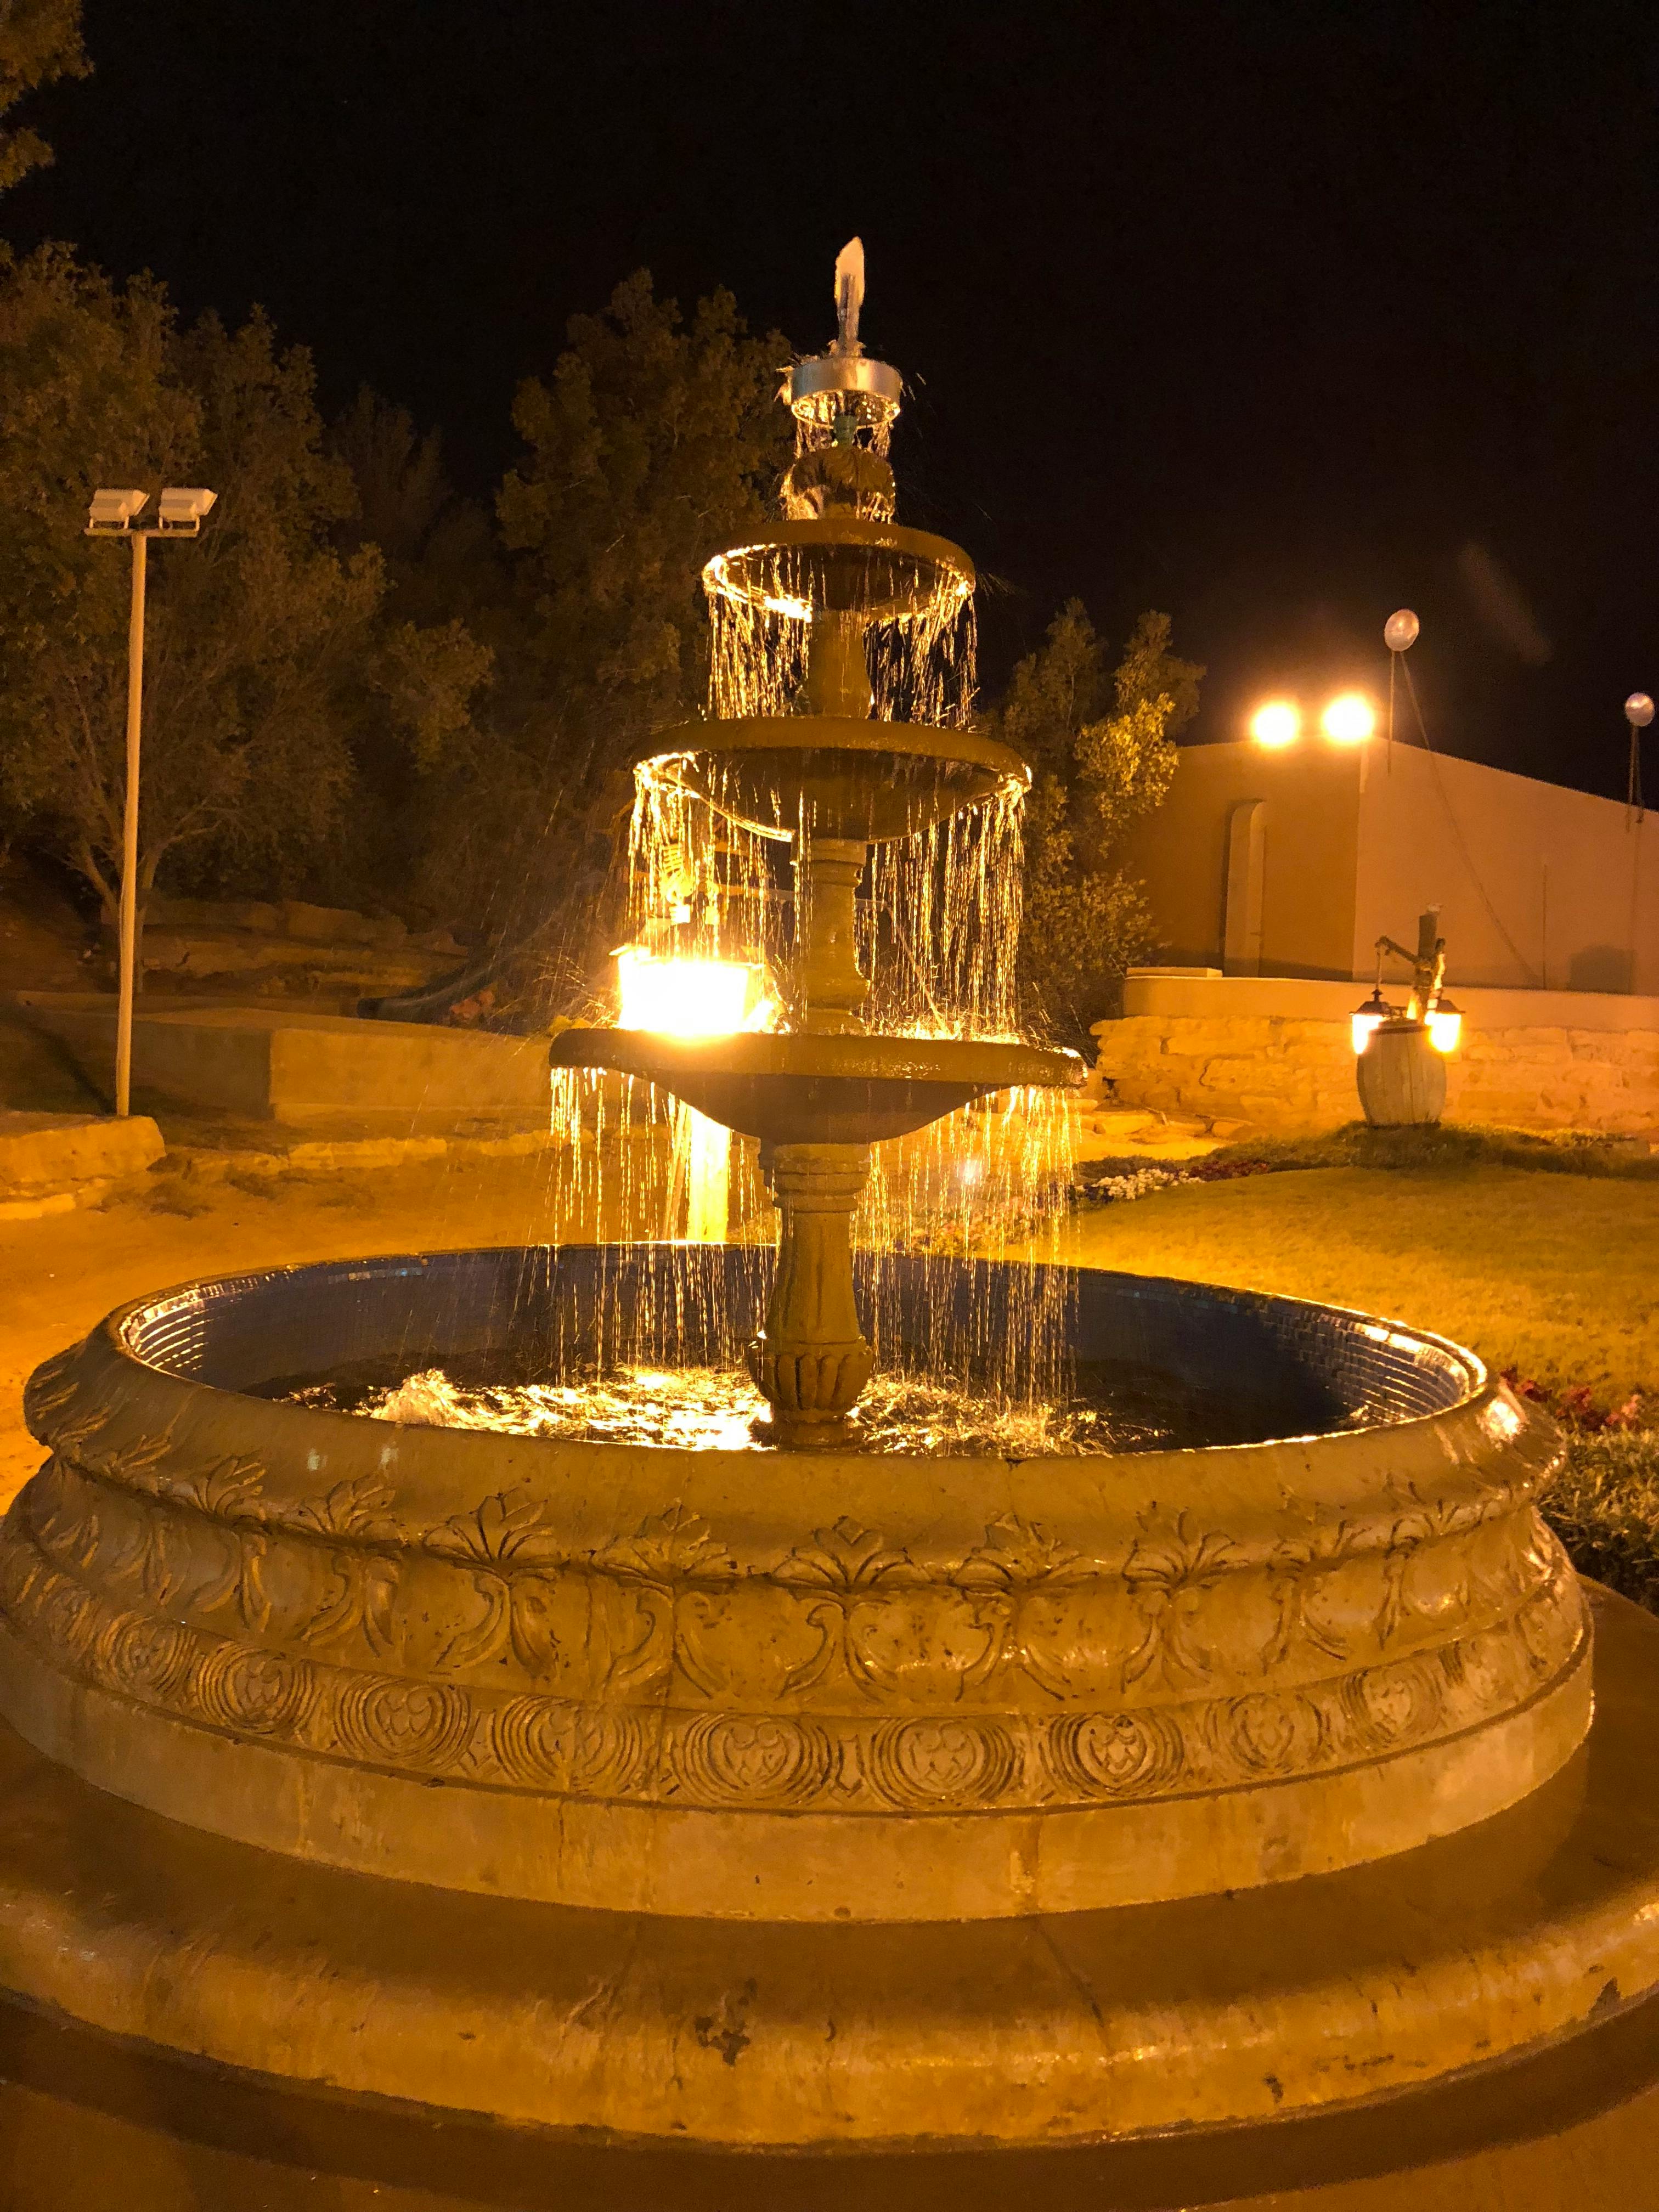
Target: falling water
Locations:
point(710, 878)
point(941, 925)
point(922, 666)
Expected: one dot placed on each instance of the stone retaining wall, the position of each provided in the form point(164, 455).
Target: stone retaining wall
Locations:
point(1182, 1050)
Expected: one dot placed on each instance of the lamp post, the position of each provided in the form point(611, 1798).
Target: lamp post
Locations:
point(114, 514)
point(1639, 713)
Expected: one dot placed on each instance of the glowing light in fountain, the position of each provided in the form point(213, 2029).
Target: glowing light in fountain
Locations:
point(684, 998)
point(691, 998)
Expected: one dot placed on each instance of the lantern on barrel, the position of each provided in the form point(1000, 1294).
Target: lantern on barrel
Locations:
point(1400, 1066)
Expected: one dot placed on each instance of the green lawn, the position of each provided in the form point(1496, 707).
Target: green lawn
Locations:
point(1555, 1274)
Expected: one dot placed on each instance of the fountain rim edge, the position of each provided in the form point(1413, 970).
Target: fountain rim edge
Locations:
point(111, 1339)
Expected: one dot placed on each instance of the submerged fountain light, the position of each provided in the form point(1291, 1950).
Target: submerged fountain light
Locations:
point(684, 998)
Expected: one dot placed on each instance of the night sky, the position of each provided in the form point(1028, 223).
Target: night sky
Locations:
point(1276, 317)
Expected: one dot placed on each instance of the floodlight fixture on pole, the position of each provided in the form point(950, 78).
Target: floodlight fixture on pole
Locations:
point(1639, 713)
point(179, 513)
point(114, 513)
point(1399, 633)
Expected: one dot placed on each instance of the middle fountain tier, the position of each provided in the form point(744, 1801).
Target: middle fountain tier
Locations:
point(801, 753)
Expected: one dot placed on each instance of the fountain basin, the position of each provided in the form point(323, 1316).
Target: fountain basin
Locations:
point(811, 1686)
point(797, 1087)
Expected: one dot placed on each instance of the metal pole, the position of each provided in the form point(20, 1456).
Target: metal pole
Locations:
point(130, 835)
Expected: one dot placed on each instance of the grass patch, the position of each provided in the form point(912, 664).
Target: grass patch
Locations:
point(1551, 1274)
point(164, 1191)
point(1604, 1505)
point(1455, 1146)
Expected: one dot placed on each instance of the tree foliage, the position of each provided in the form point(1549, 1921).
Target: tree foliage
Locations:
point(40, 43)
point(355, 685)
point(268, 652)
point(1101, 741)
point(654, 441)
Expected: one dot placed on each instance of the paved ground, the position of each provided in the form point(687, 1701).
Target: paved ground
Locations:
point(60, 1275)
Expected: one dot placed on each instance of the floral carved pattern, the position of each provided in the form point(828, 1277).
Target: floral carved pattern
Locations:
point(1169, 1570)
point(1031, 1664)
point(926, 1761)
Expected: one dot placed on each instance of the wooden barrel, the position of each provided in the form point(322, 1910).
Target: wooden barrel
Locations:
point(1402, 1078)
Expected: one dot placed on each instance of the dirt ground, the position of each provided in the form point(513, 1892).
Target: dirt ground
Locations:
point(60, 1275)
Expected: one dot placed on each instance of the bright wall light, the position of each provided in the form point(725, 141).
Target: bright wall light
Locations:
point(684, 997)
point(1349, 719)
point(1278, 723)
point(1445, 1026)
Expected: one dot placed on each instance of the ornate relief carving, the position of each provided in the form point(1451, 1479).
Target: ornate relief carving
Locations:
point(387, 1720)
point(145, 1656)
point(751, 1759)
point(671, 1546)
point(576, 1751)
point(923, 1761)
point(252, 1691)
point(1268, 1733)
point(932, 1765)
point(1170, 1569)
point(847, 1670)
point(1115, 1754)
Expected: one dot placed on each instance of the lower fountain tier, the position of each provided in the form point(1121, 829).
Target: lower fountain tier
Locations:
point(832, 775)
point(801, 1088)
point(1229, 2013)
point(879, 1686)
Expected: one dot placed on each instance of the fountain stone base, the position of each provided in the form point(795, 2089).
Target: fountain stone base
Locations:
point(1226, 2013)
point(816, 1684)
point(811, 1798)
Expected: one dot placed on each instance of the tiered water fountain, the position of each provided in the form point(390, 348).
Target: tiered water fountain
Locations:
point(829, 779)
point(978, 1811)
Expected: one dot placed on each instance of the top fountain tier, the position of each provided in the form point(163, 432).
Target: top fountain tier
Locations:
point(845, 564)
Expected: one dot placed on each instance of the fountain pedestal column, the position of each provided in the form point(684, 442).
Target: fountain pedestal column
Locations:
point(811, 1361)
point(833, 985)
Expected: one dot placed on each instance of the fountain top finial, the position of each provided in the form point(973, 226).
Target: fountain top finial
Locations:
point(849, 296)
point(843, 385)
